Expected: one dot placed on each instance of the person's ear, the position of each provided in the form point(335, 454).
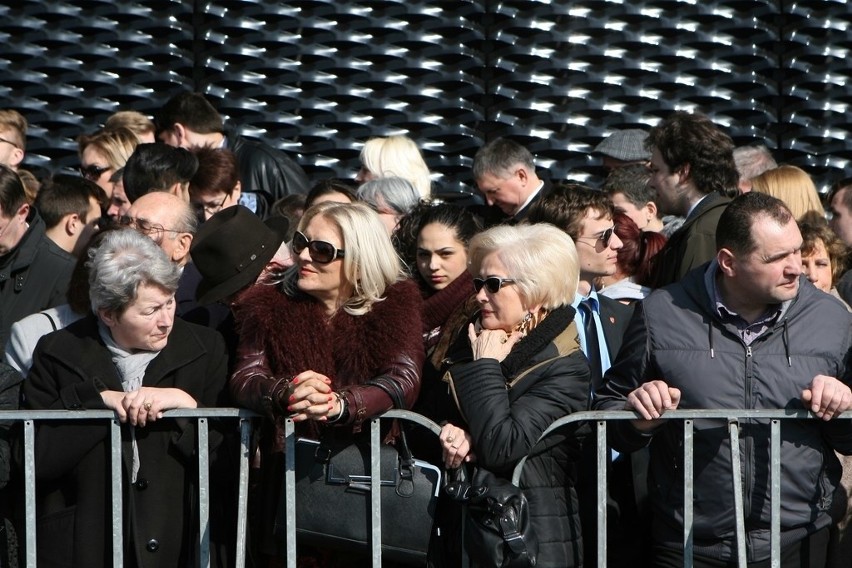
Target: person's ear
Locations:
point(522, 174)
point(72, 224)
point(16, 157)
point(181, 136)
point(683, 174)
point(652, 210)
point(727, 262)
point(108, 317)
point(182, 244)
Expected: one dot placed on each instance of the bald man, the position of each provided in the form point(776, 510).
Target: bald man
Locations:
point(168, 220)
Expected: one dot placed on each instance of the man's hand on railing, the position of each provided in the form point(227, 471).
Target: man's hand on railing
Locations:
point(651, 400)
point(827, 397)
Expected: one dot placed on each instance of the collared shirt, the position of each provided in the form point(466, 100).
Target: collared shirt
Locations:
point(530, 198)
point(748, 331)
point(581, 329)
point(694, 205)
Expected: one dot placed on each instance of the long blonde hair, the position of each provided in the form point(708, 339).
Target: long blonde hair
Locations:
point(793, 186)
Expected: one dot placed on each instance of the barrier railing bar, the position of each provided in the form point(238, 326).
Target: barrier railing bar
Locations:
point(116, 496)
point(601, 457)
point(688, 467)
point(376, 494)
point(242, 500)
point(203, 493)
point(737, 480)
point(290, 490)
point(29, 492)
point(775, 494)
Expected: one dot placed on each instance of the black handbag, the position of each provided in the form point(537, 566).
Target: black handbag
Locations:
point(497, 529)
point(333, 497)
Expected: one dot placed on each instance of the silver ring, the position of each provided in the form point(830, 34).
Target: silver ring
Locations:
point(450, 439)
point(148, 405)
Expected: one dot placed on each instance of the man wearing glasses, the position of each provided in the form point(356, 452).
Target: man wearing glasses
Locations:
point(34, 271)
point(586, 215)
point(171, 223)
point(13, 138)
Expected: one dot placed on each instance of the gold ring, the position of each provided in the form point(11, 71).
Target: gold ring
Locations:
point(147, 405)
point(504, 339)
point(450, 439)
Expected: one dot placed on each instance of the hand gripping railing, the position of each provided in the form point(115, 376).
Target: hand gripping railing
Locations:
point(733, 418)
point(202, 415)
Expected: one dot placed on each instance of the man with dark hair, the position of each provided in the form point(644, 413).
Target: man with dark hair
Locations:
point(692, 171)
point(504, 172)
point(71, 208)
point(189, 120)
point(840, 207)
point(158, 167)
point(586, 216)
point(744, 331)
point(34, 271)
point(628, 189)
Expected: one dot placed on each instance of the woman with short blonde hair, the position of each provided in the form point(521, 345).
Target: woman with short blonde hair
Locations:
point(105, 152)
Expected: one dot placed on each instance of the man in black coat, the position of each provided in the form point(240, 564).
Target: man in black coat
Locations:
point(266, 174)
point(34, 271)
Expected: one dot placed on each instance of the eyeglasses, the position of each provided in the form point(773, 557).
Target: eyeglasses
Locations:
point(153, 230)
point(492, 283)
point(603, 237)
point(9, 142)
point(211, 208)
point(93, 172)
point(321, 251)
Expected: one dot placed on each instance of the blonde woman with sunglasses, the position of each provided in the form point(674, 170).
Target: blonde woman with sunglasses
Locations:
point(344, 315)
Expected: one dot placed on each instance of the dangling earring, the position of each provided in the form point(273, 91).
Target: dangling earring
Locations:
point(526, 324)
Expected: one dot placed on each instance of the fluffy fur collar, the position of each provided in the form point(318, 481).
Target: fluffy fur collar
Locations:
point(348, 349)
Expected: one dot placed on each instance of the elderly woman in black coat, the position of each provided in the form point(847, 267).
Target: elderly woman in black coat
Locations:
point(132, 356)
point(518, 370)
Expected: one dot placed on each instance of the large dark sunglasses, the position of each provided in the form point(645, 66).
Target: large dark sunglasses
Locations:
point(322, 252)
point(93, 172)
point(603, 238)
point(492, 283)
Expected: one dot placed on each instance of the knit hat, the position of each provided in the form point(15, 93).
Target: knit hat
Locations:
point(625, 145)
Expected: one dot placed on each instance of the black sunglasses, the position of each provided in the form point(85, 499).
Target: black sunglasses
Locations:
point(492, 283)
point(322, 252)
point(604, 237)
point(93, 172)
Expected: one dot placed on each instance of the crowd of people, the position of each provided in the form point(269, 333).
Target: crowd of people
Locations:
point(188, 266)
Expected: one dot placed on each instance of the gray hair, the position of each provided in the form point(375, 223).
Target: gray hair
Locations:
point(187, 221)
point(395, 193)
point(752, 161)
point(499, 156)
point(124, 260)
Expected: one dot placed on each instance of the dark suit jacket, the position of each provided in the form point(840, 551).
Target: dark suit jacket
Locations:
point(494, 216)
point(614, 318)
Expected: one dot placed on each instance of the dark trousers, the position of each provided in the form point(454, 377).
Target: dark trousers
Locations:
point(809, 552)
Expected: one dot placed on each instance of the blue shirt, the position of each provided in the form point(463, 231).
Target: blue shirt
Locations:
point(581, 329)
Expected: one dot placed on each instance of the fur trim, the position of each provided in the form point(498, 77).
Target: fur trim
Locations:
point(348, 349)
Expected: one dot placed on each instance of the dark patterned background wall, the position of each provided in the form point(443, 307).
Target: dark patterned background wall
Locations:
point(317, 78)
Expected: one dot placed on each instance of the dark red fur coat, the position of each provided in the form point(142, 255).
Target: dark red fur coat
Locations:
point(282, 336)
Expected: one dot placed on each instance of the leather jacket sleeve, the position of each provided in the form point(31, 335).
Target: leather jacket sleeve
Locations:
point(252, 384)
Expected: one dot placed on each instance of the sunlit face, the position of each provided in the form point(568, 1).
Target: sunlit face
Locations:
point(441, 257)
point(817, 266)
point(596, 257)
point(641, 216)
point(325, 282)
point(12, 228)
point(670, 195)
point(507, 193)
point(146, 323)
point(10, 154)
point(504, 309)
point(769, 274)
point(93, 157)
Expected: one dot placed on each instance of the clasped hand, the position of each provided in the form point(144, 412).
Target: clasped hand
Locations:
point(310, 397)
point(146, 404)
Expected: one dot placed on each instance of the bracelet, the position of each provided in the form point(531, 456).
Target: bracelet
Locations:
point(341, 400)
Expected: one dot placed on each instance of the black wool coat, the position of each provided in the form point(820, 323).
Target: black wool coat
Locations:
point(71, 367)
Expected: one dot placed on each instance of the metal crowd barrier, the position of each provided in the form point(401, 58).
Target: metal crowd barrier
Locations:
point(598, 419)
